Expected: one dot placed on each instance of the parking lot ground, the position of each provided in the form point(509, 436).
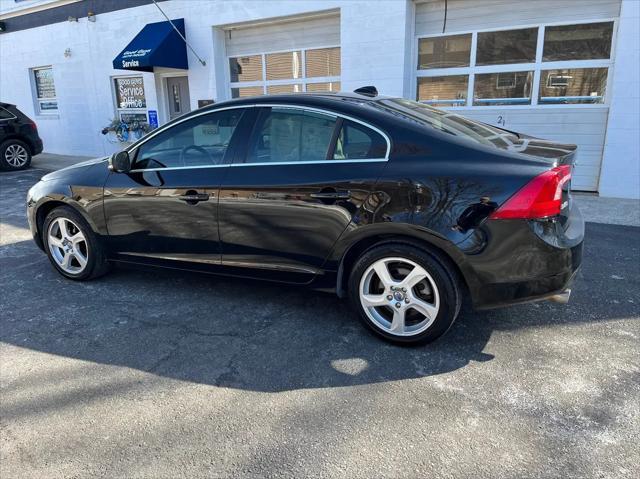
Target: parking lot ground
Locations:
point(167, 374)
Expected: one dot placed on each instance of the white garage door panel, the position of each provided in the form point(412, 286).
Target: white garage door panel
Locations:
point(465, 15)
point(584, 127)
point(309, 33)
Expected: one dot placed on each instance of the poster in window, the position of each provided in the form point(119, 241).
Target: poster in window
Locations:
point(130, 93)
point(44, 83)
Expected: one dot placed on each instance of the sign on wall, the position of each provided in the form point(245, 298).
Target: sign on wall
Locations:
point(153, 118)
point(130, 92)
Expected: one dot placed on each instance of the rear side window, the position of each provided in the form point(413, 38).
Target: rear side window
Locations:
point(357, 142)
point(289, 135)
point(5, 114)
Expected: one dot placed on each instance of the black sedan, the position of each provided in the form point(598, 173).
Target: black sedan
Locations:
point(403, 208)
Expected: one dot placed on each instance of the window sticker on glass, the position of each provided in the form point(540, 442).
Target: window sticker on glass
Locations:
point(130, 92)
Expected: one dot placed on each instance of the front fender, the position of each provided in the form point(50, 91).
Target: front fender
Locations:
point(47, 195)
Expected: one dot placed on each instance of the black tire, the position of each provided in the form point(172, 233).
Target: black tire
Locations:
point(96, 265)
point(5, 150)
point(442, 274)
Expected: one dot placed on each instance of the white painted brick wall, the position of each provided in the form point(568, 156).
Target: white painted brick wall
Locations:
point(376, 41)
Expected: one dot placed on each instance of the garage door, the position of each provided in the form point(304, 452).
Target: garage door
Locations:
point(541, 68)
point(293, 55)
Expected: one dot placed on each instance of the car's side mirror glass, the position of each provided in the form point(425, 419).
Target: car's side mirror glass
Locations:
point(120, 162)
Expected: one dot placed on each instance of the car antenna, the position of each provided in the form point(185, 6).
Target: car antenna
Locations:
point(369, 90)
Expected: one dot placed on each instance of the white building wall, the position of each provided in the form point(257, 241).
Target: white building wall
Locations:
point(377, 47)
point(84, 88)
point(620, 175)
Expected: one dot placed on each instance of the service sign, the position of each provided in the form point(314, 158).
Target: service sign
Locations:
point(130, 92)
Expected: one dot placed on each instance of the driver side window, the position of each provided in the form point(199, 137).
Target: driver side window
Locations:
point(200, 141)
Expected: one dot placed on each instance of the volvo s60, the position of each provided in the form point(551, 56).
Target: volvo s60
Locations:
point(403, 208)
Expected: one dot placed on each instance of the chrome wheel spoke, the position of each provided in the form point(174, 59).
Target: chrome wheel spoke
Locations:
point(62, 224)
point(66, 261)
point(416, 275)
point(382, 271)
point(373, 300)
point(398, 322)
point(80, 258)
point(77, 238)
point(55, 241)
point(427, 310)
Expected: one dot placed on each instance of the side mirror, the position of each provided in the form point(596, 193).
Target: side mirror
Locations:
point(120, 162)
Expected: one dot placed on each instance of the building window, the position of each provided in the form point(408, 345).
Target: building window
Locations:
point(444, 52)
point(509, 88)
point(506, 47)
point(322, 62)
point(313, 70)
point(131, 103)
point(45, 90)
point(505, 66)
point(577, 85)
point(246, 68)
point(591, 41)
point(448, 90)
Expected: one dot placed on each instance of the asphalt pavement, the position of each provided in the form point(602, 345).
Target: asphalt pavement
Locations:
point(160, 374)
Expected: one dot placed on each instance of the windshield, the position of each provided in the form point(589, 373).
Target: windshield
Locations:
point(451, 123)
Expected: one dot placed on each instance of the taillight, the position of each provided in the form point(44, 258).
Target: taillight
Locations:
point(34, 127)
point(540, 198)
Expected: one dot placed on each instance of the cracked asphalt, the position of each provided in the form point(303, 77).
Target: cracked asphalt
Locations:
point(159, 374)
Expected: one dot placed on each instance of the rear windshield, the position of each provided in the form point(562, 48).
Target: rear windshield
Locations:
point(451, 123)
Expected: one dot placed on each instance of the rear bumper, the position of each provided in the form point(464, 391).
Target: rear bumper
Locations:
point(36, 146)
point(523, 261)
point(537, 289)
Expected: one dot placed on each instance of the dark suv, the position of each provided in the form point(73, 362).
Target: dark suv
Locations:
point(19, 139)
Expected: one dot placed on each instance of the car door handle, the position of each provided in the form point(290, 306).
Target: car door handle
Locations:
point(331, 195)
point(192, 197)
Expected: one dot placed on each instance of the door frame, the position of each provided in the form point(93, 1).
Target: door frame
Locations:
point(162, 90)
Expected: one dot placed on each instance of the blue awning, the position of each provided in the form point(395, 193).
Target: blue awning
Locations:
point(157, 45)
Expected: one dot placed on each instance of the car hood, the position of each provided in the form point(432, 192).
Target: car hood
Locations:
point(74, 168)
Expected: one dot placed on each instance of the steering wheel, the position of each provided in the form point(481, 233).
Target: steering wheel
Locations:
point(197, 148)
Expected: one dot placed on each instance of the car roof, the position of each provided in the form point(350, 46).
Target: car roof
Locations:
point(327, 98)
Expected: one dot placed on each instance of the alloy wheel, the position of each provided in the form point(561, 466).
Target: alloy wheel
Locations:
point(16, 155)
point(67, 245)
point(399, 296)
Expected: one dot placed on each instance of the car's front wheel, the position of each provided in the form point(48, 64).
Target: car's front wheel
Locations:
point(72, 246)
point(405, 294)
point(14, 155)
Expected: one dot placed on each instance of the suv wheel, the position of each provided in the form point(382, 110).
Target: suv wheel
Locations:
point(71, 245)
point(404, 294)
point(14, 155)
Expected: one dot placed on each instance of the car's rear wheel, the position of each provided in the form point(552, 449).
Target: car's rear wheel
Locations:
point(71, 245)
point(405, 294)
point(14, 155)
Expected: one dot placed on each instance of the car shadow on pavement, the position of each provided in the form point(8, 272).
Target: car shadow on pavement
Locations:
point(257, 336)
